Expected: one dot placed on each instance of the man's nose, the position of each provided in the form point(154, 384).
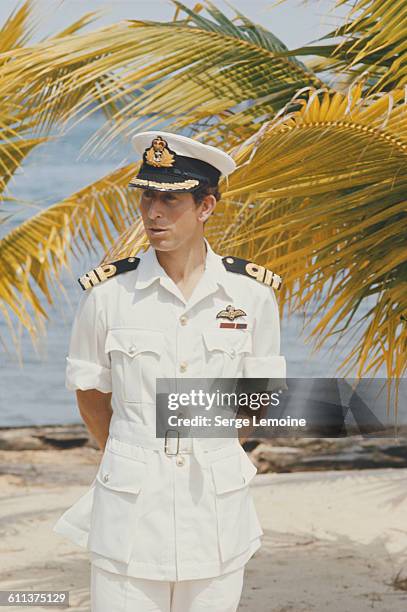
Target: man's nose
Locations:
point(155, 208)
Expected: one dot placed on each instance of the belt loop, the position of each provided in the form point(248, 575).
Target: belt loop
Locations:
point(166, 442)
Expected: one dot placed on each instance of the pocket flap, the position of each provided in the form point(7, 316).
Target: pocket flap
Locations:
point(232, 473)
point(229, 341)
point(121, 473)
point(134, 341)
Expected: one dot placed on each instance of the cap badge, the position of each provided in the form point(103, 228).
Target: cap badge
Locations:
point(231, 313)
point(159, 155)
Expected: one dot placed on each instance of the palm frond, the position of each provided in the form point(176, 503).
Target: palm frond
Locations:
point(375, 36)
point(23, 126)
point(319, 197)
point(34, 254)
point(18, 29)
point(79, 24)
point(372, 45)
point(168, 72)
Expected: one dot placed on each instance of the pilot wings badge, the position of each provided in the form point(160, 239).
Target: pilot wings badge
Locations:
point(231, 313)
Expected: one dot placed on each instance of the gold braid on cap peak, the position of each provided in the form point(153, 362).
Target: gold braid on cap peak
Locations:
point(249, 268)
point(164, 186)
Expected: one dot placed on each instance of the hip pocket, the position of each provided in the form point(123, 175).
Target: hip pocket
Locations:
point(237, 519)
point(116, 506)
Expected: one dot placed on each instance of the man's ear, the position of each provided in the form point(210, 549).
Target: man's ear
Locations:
point(207, 206)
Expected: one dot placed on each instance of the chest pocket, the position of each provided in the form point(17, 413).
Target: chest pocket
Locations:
point(135, 359)
point(224, 351)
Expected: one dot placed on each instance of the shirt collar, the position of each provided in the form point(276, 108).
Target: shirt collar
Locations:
point(150, 270)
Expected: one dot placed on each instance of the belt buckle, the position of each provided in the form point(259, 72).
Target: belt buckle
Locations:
point(166, 442)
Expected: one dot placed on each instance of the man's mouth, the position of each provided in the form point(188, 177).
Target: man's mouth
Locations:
point(157, 230)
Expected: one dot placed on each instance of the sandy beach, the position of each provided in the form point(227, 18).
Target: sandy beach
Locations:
point(334, 541)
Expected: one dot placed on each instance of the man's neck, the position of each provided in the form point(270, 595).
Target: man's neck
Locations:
point(187, 263)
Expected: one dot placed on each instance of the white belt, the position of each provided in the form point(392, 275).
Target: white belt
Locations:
point(172, 444)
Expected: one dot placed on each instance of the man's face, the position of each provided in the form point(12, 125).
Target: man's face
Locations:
point(169, 218)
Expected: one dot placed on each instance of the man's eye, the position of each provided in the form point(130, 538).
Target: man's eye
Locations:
point(147, 194)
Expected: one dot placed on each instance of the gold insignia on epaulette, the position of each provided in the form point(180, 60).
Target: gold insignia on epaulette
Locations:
point(97, 275)
point(249, 268)
point(159, 155)
point(105, 271)
point(263, 275)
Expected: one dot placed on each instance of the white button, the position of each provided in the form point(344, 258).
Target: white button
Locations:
point(105, 477)
point(132, 348)
point(183, 320)
point(232, 352)
point(183, 366)
point(180, 460)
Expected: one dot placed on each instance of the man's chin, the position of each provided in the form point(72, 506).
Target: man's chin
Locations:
point(163, 243)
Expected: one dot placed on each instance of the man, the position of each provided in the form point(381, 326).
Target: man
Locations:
point(169, 523)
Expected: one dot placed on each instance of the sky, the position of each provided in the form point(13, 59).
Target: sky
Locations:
point(295, 22)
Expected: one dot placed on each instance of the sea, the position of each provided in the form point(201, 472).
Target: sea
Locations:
point(32, 390)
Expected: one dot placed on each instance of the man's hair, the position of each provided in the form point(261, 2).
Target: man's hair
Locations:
point(205, 190)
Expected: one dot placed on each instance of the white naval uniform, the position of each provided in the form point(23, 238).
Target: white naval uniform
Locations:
point(148, 514)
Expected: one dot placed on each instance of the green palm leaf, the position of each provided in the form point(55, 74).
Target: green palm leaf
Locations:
point(377, 30)
point(34, 254)
point(24, 126)
point(373, 44)
point(177, 71)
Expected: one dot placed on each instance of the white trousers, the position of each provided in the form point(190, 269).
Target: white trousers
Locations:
point(112, 592)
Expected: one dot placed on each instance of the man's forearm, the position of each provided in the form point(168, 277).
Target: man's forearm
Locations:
point(96, 411)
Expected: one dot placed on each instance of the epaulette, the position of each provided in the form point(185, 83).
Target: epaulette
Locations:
point(249, 268)
point(102, 273)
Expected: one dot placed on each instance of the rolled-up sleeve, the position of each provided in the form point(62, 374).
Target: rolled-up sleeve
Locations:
point(265, 360)
point(87, 364)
